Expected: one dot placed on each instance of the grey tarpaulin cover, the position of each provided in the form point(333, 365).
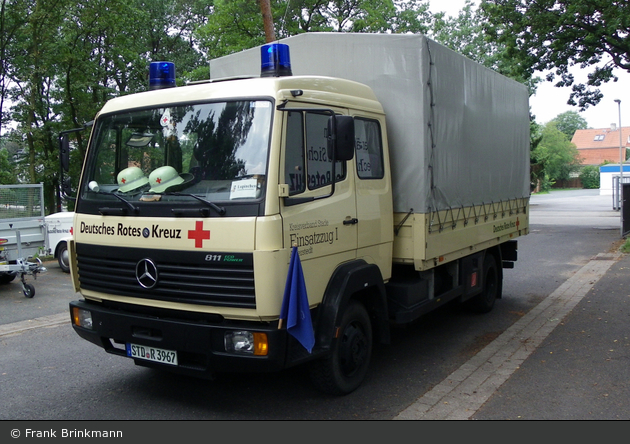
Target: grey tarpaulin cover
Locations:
point(470, 147)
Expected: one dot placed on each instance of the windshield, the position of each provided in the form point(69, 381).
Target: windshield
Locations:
point(214, 151)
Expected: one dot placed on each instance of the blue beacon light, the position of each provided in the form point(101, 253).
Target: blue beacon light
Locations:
point(275, 60)
point(161, 75)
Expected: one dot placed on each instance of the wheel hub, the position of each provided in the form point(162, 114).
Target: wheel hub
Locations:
point(353, 349)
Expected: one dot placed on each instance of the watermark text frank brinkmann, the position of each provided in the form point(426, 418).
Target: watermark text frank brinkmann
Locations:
point(65, 433)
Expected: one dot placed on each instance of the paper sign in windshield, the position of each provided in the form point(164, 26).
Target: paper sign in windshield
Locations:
point(244, 189)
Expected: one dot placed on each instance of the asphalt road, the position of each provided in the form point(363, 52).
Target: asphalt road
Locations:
point(53, 292)
point(42, 368)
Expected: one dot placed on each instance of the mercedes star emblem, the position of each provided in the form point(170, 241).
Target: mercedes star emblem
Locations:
point(146, 273)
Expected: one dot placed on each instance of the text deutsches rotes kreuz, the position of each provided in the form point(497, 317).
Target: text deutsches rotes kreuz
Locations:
point(120, 229)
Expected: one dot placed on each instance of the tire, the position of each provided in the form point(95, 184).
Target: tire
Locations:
point(63, 258)
point(345, 368)
point(28, 290)
point(6, 278)
point(484, 301)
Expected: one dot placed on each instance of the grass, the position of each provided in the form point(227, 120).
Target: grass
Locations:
point(625, 248)
point(558, 189)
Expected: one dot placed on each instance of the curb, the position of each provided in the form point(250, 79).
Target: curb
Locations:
point(44, 321)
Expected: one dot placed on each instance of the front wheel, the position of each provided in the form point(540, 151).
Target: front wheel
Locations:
point(344, 369)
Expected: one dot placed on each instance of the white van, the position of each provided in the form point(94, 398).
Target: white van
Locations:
point(58, 232)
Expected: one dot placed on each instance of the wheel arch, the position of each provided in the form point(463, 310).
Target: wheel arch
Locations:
point(355, 280)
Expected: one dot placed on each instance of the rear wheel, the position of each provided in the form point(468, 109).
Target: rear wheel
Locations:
point(346, 366)
point(484, 301)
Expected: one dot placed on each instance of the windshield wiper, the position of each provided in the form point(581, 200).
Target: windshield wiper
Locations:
point(93, 187)
point(215, 207)
point(106, 210)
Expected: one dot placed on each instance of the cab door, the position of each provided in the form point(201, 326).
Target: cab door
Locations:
point(324, 229)
point(373, 192)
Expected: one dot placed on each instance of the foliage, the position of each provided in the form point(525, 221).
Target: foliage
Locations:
point(589, 176)
point(569, 122)
point(556, 157)
point(465, 34)
point(62, 60)
point(7, 173)
point(235, 25)
point(554, 35)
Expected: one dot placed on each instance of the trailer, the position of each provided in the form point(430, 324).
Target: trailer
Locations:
point(22, 234)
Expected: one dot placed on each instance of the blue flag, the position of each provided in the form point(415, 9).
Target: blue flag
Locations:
point(295, 304)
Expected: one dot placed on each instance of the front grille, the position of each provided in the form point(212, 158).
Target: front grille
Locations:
point(205, 278)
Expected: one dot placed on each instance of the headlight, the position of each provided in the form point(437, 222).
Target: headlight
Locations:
point(246, 342)
point(82, 318)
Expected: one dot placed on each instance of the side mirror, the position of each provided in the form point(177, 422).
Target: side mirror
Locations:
point(341, 137)
point(66, 186)
point(64, 152)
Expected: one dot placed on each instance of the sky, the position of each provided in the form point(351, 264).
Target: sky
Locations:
point(549, 101)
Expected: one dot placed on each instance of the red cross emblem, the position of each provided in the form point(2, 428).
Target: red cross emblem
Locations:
point(199, 234)
point(158, 180)
point(123, 180)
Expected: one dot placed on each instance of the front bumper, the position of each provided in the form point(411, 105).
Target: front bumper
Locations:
point(199, 343)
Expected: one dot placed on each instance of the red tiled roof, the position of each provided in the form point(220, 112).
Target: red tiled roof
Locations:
point(599, 145)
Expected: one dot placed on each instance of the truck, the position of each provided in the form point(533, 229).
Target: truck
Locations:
point(313, 194)
point(22, 233)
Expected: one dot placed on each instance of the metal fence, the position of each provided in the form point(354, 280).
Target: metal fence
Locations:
point(21, 201)
point(616, 191)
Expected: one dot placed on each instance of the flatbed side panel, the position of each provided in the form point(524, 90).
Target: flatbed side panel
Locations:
point(22, 211)
point(32, 238)
point(430, 239)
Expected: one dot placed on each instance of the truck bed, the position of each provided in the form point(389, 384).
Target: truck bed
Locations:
point(430, 239)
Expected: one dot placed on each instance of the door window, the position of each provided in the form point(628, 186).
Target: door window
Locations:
point(369, 150)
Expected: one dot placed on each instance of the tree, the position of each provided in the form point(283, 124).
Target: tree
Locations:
point(554, 35)
point(233, 25)
point(62, 60)
point(556, 157)
point(569, 122)
point(7, 174)
point(464, 34)
point(236, 25)
point(589, 176)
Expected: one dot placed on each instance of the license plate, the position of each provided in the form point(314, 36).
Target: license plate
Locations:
point(152, 354)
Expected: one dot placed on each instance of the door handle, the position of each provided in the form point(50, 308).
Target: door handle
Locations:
point(352, 221)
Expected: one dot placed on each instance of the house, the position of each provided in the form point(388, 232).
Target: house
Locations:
point(597, 146)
